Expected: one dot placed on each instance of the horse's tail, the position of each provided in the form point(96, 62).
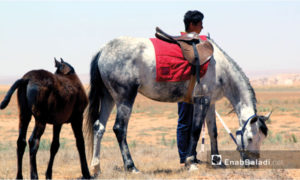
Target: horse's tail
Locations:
point(10, 92)
point(95, 96)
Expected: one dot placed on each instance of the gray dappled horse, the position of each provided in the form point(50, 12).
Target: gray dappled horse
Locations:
point(126, 66)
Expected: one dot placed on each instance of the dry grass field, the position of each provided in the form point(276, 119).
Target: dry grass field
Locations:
point(152, 141)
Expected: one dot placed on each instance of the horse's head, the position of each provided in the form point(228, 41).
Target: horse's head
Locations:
point(63, 68)
point(250, 136)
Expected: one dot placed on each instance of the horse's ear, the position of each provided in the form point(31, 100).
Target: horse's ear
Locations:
point(253, 120)
point(61, 60)
point(268, 115)
point(56, 63)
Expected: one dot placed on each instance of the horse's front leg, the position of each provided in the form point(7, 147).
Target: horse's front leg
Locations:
point(212, 129)
point(213, 134)
point(201, 105)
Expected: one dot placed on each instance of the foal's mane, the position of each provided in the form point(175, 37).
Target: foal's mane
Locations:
point(238, 70)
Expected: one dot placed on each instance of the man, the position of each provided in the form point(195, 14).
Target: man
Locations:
point(193, 23)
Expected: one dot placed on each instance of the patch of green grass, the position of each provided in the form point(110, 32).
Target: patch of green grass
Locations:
point(163, 140)
point(108, 139)
point(172, 116)
point(45, 144)
point(163, 129)
point(285, 126)
point(296, 114)
point(264, 109)
point(295, 130)
point(132, 144)
point(3, 92)
point(225, 142)
point(294, 138)
point(4, 147)
point(171, 143)
point(278, 137)
point(144, 134)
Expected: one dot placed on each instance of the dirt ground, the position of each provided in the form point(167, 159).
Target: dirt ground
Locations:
point(152, 141)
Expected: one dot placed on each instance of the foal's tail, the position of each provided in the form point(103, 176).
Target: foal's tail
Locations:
point(10, 92)
point(95, 96)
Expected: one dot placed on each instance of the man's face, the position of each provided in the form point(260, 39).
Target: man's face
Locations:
point(196, 27)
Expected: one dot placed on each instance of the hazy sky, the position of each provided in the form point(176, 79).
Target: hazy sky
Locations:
point(259, 36)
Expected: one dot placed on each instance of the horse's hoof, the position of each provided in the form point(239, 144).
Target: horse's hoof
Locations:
point(193, 167)
point(96, 174)
point(134, 170)
point(97, 171)
point(222, 165)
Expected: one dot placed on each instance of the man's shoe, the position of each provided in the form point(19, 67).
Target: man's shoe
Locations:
point(198, 161)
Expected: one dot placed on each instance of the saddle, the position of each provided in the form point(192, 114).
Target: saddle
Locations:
point(196, 52)
point(190, 45)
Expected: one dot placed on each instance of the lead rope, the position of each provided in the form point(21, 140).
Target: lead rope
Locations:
point(203, 138)
point(226, 128)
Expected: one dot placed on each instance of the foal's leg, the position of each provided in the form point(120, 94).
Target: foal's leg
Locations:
point(25, 117)
point(34, 142)
point(120, 128)
point(53, 150)
point(201, 105)
point(77, 130)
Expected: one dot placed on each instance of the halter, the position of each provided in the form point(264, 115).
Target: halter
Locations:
point(242, 131)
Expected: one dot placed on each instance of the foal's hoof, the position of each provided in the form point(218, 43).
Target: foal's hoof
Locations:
point(19, 176)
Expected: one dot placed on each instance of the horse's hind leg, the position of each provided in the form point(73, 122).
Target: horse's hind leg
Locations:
point(34, 142)
point(120, 128)
point(77, 130)
point(25, 117)
point(107, 105)
point(53, 150)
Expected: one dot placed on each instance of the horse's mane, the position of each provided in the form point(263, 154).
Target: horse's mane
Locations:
point(241, 72)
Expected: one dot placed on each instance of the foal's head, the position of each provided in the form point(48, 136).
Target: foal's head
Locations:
point(63, 68)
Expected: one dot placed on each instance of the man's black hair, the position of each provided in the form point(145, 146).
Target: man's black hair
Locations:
point(192, 17)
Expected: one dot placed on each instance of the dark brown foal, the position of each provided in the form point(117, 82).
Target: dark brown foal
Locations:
point(54, 99)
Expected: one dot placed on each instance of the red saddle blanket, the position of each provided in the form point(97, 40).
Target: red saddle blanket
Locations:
point(170, 63)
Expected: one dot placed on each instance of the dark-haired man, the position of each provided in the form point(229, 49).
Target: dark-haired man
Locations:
point(193, 23)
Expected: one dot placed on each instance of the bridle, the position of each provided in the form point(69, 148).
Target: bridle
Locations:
point(242, 131)
point(239, 132)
